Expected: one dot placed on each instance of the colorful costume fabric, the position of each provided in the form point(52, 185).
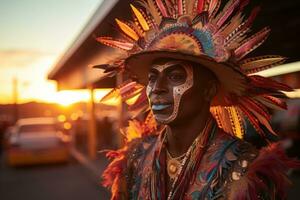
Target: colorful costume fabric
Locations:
point(230, 168)
point(219, 164)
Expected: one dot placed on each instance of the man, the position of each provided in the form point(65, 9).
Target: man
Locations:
point(187, 58)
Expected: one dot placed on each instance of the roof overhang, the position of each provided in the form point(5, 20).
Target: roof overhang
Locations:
point(73, 70)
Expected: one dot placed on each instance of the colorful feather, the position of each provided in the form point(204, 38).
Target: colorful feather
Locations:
point(180, 7)
point(232, 25)
point(266, 174)
point(120, 44)
point(200, 18)
point(142, 21)
point(242, 29)
point(200, 6)
point(275, 102)
point(170, 6)
point(257, 64)
point(190, 7)
point(253, 105)
point(236, 122)
point(127, 30)
point(259, 112)
point(252, 119)
point(227, 11)
point(154, 11)
point(263, 82)
point(162, 8)
point(213, 7)
point(252, 43)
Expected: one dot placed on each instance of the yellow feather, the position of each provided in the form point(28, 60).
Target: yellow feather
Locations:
point(238, 129)
point(140, 18)
point(127, 30)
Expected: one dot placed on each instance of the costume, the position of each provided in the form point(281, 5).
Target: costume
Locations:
point(219, 164)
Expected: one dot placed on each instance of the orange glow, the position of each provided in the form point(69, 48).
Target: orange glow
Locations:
point(67, 126)
point(69, 97)
point(132, 100)
point(100, 93)
point(61, 118)
point(74, 116)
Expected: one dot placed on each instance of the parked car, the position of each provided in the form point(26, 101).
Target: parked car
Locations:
point(37, 141)
point(7, 134)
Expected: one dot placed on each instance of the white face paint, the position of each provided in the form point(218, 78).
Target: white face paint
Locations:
point(178, 91)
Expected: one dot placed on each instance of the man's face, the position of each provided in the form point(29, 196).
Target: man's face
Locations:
point(169, 80)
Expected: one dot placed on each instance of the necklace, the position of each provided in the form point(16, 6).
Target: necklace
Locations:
point(189, 159)
point(174, 165)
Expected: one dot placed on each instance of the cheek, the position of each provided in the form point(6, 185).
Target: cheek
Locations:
point(148, 91)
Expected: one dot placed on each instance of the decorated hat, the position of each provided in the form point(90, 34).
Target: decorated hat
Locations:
point(197, 31)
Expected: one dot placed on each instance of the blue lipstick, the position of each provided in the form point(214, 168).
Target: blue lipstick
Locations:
point(158, 107)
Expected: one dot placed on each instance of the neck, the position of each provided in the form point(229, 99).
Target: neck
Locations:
point(181, 136)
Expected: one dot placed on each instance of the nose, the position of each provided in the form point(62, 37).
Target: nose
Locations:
point(160, 86)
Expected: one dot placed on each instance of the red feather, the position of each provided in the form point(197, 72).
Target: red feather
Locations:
point(180, 7)
point(260, 81)
point(200, 6)
point(162, 8)
point(248, 102)
point(252, 119)
point(115, 168)
point(270, 166)
point(244, 27)
point(213, 8)
point(276, 101)
point(252, 43)
point(228, 10)
point(140, 102)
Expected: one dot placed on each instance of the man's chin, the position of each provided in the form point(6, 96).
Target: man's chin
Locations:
point(162, 118)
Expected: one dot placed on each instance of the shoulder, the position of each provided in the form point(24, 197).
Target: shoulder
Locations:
point(123, 159)
point(251, 173)
point(232, 149)
point(257, 174)
point(139, 147)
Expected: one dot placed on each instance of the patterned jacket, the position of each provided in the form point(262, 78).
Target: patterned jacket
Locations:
point(230, 168)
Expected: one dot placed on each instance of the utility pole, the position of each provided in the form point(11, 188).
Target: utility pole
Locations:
point(15, 99)
point(92, 124)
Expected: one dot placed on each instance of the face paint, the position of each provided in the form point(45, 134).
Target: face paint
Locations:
point(178, 91)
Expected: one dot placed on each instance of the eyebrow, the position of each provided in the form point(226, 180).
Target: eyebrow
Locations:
point(153, 70)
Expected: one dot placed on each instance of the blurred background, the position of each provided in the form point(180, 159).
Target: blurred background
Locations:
point(52, 125)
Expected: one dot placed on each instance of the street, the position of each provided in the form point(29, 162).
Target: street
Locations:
point(69, 181)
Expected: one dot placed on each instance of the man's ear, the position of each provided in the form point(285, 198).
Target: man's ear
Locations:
point(211, 90)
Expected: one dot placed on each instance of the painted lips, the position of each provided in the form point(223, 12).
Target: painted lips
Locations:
point(159, 107)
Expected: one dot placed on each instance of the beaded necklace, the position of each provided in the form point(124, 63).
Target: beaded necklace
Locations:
point(191, 161)
point(174, 165)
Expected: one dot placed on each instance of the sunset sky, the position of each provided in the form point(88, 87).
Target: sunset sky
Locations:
point(34, 34)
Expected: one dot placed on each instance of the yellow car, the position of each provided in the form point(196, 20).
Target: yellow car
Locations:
point(37, 141)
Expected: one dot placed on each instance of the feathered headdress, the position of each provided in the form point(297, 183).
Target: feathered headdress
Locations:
point(195, 30)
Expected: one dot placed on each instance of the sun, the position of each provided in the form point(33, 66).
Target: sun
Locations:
point(67, 98)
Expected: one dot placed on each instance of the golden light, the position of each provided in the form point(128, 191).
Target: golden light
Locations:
point(100, 93)
point(67, 98)
point(61, 118)
point(74, 116)
point(67, 126)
